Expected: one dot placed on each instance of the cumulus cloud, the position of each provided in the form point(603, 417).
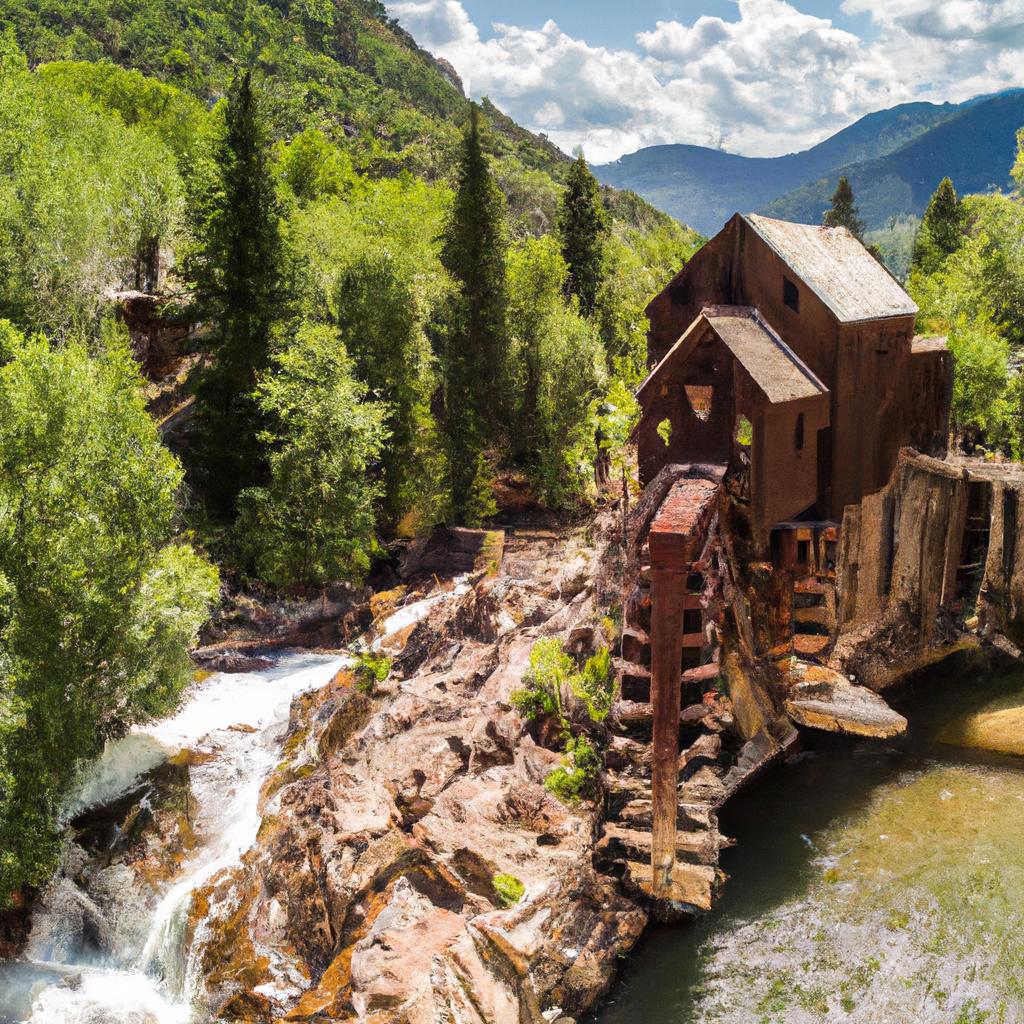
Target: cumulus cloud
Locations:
point(770, 81)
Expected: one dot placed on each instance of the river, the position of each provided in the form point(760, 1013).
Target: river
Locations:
point(872, 882)
point(234, 725)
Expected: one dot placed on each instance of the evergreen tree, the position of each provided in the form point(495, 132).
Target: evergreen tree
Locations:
point(473, 252)
point(582, 227)
point(238, 274)
point(843, 213)
point(942, 230)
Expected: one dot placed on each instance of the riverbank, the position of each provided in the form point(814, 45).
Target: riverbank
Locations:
point(398, 855)
point(400, 851)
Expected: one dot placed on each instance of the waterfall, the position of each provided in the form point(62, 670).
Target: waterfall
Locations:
point(237, 722)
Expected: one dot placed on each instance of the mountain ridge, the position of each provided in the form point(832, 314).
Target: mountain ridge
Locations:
point(975, 147)
point(703, 186)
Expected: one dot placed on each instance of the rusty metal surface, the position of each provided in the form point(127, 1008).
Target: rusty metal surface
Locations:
point(837, 268)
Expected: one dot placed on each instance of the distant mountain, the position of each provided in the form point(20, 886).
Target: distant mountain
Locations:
point(704, 187)
point(976, 148)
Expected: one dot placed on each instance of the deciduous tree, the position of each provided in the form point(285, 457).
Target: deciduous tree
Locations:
point(314, 520)
point(98, 602)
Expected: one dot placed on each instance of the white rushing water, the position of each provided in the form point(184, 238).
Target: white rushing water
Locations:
point(238, 721)
point(408, 614)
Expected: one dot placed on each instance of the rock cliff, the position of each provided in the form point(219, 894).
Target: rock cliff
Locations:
point(370, 894)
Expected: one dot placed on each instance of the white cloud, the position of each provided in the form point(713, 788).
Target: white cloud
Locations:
point(771, 81)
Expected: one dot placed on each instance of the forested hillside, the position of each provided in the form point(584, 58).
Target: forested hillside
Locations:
point(384, 301)
point(342, 67)
point(975, 147)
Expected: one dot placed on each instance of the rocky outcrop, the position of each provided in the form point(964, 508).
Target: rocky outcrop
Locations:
point(115, 861)
point(370, 894)
point(819, 698)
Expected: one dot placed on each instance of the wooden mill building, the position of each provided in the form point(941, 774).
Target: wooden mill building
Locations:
point(785, 378)
point(802, 333)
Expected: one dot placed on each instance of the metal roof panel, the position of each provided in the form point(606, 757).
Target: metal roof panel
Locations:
point(837, 268)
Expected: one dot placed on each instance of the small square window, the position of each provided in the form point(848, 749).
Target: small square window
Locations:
point(791, 294)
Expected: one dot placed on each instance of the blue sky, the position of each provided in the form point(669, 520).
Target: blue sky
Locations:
point(615, 23)
point(759, 77)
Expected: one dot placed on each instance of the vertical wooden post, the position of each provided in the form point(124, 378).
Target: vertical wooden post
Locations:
point(667, 593)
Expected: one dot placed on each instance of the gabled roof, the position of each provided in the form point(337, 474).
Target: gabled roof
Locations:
point(837, 268)
point(773, 366)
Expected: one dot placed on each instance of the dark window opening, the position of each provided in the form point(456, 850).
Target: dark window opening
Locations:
point(690, 658)
point(694, 583)
point(693, 621)
point(883, 343)
point(790, 295)
point(974, 546)
point(798, 440)
point(700, 397)
point(803, 552)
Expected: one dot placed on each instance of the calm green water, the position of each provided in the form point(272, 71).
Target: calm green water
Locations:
point(872, 882)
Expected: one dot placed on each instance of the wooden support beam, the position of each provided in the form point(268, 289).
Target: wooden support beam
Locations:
point(667, 598)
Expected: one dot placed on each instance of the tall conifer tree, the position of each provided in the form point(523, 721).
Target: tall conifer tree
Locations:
point(843, 213)
point(582, 227)
point(942, 229)
point(239, 285)
point(473, 251)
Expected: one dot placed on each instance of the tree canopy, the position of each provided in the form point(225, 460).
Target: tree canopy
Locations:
point(99, 603)
point(843, 212)
point(941, 231)
point(582, 227)
point(238, 270)
point(473, 252)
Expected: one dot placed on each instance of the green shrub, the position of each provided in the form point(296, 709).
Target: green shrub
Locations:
point(550, 669)
point(370, 669)
point(595, 685)
point(577, 777)
point(508, 888)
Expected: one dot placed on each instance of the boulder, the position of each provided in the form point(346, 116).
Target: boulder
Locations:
point(820, 698)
